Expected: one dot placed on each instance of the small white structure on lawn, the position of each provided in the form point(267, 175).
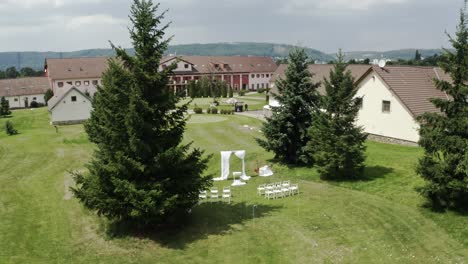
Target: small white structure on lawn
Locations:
point(225, 156)
point(265, 171)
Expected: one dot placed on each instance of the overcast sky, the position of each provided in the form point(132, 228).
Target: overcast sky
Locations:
point(326, 25)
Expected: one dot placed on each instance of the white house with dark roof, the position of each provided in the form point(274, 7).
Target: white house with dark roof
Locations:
point(72, 107)
point(21, 92)
point(392, 97)
point(82, 73)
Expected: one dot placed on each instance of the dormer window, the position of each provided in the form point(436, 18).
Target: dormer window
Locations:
point(78, 83)
point(60, 84)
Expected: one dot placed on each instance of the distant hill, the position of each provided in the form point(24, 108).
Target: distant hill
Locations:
point(405, 54)
point(35, 60)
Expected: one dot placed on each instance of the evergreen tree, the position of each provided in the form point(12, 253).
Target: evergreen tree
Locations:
point(48, 95)
point(223, 89)
point(444, 136)
point(231, 92)
point(4, 107)
point(286, 131)
point(337, 144)
point(140, 172)
point(417, 56)
point(192, 86)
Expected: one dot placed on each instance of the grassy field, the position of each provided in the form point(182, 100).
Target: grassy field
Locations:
point(254, 100)
point(376, 220)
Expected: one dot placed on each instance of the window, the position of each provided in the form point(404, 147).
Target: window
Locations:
point(73, 98)
point(78, 83)
point(267, 75)
point(359, 101)
point(164, 66)
point(186, 66)
point(34, 98)
point(253, 86)
point(60, 84)
point(258, 75)
point(86, 83)
point(258, 86)
point(70, 83)
point(16, 99)
point(385, 106)
point(267, 85)
point(95, 82)
point(263, 75)
point(263, 85)
point(253, 75)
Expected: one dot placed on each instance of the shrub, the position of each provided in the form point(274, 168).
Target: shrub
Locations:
point(261, 90)
point(10, 130)
point(34, 104)
point(208, 110)
point(241, 93)
point(198, 110)
point(214, 110)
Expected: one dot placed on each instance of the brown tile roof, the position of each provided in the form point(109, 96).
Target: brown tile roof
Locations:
point(24, 86)
point(414, 86)
point(62, 69)
point(320, 71)
point(235, 64)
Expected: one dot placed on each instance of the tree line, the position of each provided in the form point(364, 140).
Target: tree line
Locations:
point(13, 73)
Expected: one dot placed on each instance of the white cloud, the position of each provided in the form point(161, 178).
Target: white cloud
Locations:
point(8, 4)
point(305, 6)
point(87, 21)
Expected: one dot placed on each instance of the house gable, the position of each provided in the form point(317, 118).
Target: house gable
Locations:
point(398, 122)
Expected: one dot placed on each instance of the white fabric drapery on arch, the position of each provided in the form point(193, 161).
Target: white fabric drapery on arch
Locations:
point(225, 156)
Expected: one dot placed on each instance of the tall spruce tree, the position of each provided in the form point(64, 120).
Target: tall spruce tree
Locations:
point(336, 143)
point(444, 136)
point(4, 107)
point(140, 172)
point(286, 130)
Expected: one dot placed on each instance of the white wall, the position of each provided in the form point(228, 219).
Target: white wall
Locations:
point(58, 91)
point(18, 101)
point(66, 110)
point(259, 80)
point(399, 123)
point(271, 99)
point(180, 66)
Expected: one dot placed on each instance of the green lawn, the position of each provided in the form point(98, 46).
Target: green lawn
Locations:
point(376, 220)
point(254, 100)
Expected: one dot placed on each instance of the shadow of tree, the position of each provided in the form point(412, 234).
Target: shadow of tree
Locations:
point(370, 173)
point(205, 219)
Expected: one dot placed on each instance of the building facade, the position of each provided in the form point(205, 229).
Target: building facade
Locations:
point(21, 92)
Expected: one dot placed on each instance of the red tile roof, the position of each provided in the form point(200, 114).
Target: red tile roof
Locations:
point(76, 68)
point(414, 86)
point(24, 86)
point(320, 72)
point(234, 64)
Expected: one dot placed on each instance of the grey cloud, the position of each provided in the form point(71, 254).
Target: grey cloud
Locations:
point(374, 25)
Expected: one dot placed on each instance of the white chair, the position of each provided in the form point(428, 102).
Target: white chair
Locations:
point(214, 194)
point(285, 183)
point(226, 194)
point(277, 191)
point(285, 190)
point(269, 193)
point(294, 189)
point(202, 196)
point(261, 189)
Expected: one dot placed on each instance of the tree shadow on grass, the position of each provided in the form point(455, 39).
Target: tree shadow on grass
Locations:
point(205, 219)
point(370, 173)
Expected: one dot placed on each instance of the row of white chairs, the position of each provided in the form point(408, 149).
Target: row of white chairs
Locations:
point(278, 189)
point(214, 195)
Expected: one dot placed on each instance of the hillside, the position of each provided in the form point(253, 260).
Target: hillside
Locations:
point(35, 60)
point(405, 54)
